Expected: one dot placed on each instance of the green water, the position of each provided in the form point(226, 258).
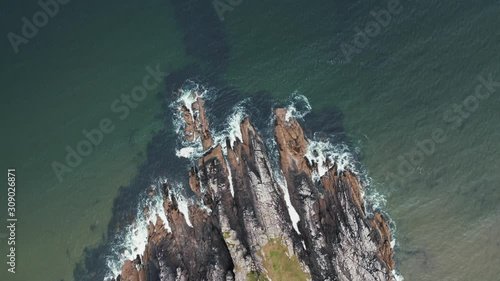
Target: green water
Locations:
point(393, 94)
point(61, 83)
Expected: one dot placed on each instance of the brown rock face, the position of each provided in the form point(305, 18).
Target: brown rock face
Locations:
point(131, 273)
point(292, 143)
point(382, 236)
point(241, 211)
point(335, 216)
point(196, 123)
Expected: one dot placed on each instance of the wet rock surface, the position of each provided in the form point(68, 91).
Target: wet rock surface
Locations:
point(240, 221)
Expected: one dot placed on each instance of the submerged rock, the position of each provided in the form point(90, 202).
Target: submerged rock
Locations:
point(246, 225)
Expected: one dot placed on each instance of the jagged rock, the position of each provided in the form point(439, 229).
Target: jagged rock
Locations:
point(342, 243)
point(196, 123)
point(242, 223)
point(130, 271)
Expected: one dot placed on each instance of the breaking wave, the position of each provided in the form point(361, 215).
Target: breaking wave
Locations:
point(135, 237)
point(321, 149)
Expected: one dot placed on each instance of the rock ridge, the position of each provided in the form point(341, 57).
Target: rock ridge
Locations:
point(241, 224)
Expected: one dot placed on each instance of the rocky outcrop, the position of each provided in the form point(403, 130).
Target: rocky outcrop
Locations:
point(196, 123)
point(332, 214)
point(240, 226)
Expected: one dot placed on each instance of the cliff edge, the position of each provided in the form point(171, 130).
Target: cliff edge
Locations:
point(247, 224)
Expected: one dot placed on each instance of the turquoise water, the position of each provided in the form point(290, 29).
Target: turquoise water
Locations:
point(392, 95)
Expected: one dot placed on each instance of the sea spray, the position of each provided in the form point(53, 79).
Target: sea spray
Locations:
point(298, 107)
point(320, 150)
point(325, 154)
point(193, 150)
point(281, 181)
point(135, 237)
point(177, 192)
point(188, 95)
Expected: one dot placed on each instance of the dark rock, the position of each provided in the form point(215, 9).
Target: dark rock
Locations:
point(244, 212)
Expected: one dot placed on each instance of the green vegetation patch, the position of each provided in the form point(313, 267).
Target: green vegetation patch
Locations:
point(255, 276)
point(279, 266)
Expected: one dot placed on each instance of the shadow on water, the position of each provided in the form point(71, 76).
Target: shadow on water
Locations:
point(204, 39)
point(159, 151)
point(161, 160)
point(203, 33)
point(328, 121)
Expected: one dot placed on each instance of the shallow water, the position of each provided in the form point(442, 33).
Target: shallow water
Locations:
point(392, 95)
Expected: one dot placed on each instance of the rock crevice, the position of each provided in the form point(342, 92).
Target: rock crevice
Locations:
point(240, 213)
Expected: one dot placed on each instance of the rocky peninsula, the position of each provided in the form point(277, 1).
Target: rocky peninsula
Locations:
point(248, 225)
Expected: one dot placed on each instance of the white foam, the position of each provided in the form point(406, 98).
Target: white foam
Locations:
point(230, 178)
point(193, 150)
point(281, 181)
point(297, 101)
point(190, 95)
point(294, 216)
point(177, 191)
point(397, 276)
point(321, 151)
point(136, 234)
point(231, 130)
point(234, 124)
point(376, 200)
point(186, 152)
point(182, 204)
